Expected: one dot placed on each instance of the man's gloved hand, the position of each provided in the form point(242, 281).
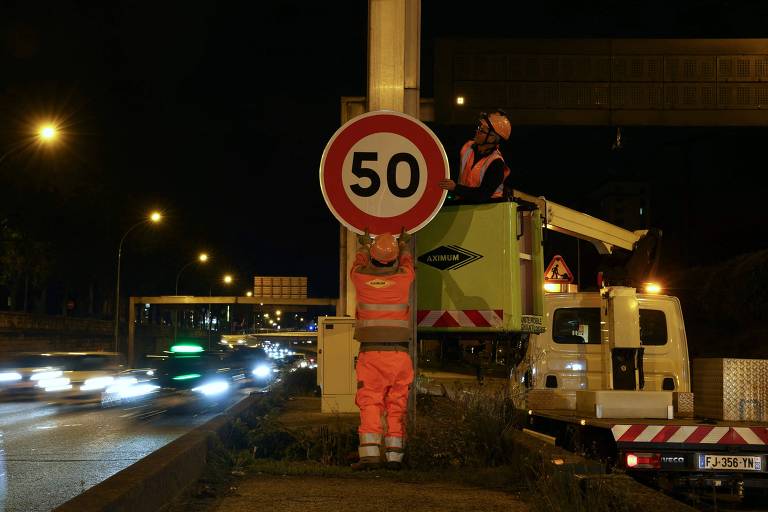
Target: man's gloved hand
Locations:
point(403, 238)
point(364, 239)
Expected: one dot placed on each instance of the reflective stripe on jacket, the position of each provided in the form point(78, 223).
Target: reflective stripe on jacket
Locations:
point(383, 314)
point(472, 172)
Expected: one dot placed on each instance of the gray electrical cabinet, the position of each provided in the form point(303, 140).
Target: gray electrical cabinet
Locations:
point(336, 355)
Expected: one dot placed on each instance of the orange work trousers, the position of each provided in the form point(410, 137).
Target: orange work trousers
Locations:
point(383, 382)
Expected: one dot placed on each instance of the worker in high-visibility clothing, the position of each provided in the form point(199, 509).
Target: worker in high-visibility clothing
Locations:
point(482, 171)
point(382, 274)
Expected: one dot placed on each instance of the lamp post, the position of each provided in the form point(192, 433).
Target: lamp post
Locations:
point(154, 217)
point(226, 279)
point(202, 258)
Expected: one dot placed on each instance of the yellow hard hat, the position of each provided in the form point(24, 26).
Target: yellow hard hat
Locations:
point(384, 248)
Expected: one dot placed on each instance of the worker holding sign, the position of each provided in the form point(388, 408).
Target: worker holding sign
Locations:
point(379, 174)
point(483, 170)
point(382, 274)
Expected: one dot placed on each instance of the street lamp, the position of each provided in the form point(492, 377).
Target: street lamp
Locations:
point(45, 134)
point(154, 217)
point(226, 279)
point(202, 258)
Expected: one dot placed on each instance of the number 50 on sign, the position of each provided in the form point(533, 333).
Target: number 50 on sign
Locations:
point(380, 171)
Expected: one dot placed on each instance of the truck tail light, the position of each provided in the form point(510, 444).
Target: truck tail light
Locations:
point(643, 460)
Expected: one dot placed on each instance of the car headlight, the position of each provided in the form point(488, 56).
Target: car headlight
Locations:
point(9, 376)
point(262, 371)
point(57, 384)
point(212, 388)
point(121, 383)
point(96, 383)
point(47, 375)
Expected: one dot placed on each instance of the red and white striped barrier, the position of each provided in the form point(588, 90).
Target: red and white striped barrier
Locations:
point(689, 434)
point(460, 318)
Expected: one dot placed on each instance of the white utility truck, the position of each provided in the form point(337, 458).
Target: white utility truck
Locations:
point(605, 373)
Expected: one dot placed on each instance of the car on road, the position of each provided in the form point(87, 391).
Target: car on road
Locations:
point(32, 376)
point(90, 373)
point(206, 374)
point(259, 368)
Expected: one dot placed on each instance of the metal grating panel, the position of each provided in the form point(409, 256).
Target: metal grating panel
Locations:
point(637, 68)
point(689, 68)
point(487, 94)
point(490, 67)
point(515, 67)
point(667, 81)
point(745, 389)
point(540, 95)
point(731, 389)
point(583, 95)
point(636, 96)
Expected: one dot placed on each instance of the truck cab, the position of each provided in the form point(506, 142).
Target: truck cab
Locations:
point(568, 355)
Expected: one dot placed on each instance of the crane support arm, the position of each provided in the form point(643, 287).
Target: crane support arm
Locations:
point(603, 235)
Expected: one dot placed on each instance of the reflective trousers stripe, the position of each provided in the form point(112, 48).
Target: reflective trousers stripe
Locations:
point(394, 456)
point(370, 438)
point(383, 323)
point(382, 307)
point(394, 442)
point(369, 450)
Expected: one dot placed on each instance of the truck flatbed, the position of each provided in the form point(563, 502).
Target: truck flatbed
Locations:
point(678, 431)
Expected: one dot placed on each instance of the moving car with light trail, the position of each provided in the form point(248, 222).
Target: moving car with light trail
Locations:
point(89, 373)
point(188, 368)
point(258, 365)
point(32, 376)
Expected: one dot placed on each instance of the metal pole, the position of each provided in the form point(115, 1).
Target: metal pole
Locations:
point(176, 292)
point(210, 317)
point(117, 284)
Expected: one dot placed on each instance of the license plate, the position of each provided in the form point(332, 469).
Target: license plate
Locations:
point(731, 462)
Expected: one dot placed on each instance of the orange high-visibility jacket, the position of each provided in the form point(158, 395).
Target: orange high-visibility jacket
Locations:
point(472, 172)
point(383, 314)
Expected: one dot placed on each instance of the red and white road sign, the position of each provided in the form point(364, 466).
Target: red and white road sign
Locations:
point(380, 171)
point(558, 271)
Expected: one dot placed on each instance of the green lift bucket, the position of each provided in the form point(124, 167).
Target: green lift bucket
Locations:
point(480, 270)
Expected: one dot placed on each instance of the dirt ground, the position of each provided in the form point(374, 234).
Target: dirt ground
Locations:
point(325, 494)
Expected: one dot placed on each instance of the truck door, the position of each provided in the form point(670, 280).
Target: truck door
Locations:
point(662, 335)
point(568, 355)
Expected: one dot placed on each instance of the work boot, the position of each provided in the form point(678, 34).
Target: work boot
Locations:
point(366, 464)
point(394, 453)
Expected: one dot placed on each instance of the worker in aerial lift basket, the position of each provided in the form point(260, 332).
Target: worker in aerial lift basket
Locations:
point(483, 172)
point(382, 274)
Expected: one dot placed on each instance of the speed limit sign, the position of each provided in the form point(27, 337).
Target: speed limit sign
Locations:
point(380, 172)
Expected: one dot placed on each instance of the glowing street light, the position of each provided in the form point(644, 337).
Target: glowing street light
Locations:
point(154, 217)
point(227, 279)
point(249, 294)
point(44, 134)
point(47, 132)
point(201, 258)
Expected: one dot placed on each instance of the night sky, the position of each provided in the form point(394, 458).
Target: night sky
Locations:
point(218, 112)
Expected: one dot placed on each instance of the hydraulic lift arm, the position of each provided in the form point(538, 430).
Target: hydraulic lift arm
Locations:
point(638, 254)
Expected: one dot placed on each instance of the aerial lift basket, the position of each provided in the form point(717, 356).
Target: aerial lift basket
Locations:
point(480, 270)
